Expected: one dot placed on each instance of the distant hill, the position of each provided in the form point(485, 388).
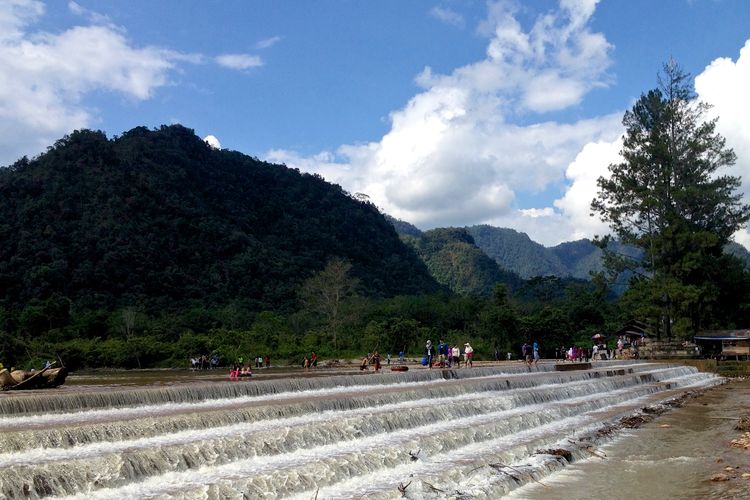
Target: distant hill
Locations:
point(739, 251)
point(159, 219)
point(515, 251)
point(403, 227)
point(456, 262)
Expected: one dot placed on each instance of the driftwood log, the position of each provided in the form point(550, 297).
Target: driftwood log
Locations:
point(43, 379)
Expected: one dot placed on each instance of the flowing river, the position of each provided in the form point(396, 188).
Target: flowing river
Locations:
point(468, 433)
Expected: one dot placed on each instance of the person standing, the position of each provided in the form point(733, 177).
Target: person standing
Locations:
point(469, 355)
point(536, 353)
point(526, 353)
point(456, 354)
point(429, 352)
point(314, 360)
point(376, 361)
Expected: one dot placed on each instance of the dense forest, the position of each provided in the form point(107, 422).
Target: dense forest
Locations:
point(149, 248)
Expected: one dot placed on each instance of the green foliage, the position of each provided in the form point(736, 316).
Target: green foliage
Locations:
point(455, 261)
point(326, 292)
point(668, 199)
point(517, 252)
point(160, 219)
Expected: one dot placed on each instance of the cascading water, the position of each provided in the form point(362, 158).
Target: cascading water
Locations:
point(469, 433)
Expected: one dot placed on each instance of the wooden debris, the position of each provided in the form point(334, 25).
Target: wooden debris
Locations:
point(499, 467)
point(558, 452)
point(402, 488)
point(432, 487)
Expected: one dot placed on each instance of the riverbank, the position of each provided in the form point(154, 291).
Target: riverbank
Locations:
point(685, 453)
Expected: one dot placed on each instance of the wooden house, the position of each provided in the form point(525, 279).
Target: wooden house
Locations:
point(724, 343)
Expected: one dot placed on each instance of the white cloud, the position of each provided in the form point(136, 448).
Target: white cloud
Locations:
point(724, 84)
point(447, 16)
point(92, 16)
point(590, 164)
point(239, 61)
point(44, 76)
point(268, 42)
point(452, 155)
point(212, 141)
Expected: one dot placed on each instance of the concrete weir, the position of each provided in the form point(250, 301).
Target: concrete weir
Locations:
point(419, 434)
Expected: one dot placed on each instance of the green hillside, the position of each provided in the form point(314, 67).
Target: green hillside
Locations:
point(517, 252)
point(159, 220)
point(456, 262)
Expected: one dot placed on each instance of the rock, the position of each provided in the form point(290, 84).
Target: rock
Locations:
point(743, 424)
point(719, 477)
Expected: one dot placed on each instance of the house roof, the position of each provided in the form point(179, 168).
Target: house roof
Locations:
point(723, 335)
point(634, 328)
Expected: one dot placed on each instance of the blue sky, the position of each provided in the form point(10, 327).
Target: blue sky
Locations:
point(452, 112)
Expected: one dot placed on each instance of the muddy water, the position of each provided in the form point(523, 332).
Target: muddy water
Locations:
point(200, 436)
point(673, 456)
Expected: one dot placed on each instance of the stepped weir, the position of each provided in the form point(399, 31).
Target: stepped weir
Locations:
point(468, 433)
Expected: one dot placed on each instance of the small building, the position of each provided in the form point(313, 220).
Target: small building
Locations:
point(634, 332)
point(724, 343)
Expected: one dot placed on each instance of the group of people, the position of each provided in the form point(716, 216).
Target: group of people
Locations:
point(448, 355)
point(242, 369)
point(311, 362)
point(530, 353)
point(261, 361)
point(204, 362)
point(372, 359)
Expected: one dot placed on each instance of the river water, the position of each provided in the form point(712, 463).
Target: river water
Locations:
point(673, 456)
point(470, 433)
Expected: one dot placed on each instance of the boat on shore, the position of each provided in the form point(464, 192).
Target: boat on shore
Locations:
point(45, 378)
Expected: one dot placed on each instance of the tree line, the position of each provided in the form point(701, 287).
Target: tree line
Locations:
point(146, 249)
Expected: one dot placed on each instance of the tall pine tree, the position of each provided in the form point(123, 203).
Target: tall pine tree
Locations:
point(667, 198)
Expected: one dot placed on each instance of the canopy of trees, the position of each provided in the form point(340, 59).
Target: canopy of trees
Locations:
point(668, 198)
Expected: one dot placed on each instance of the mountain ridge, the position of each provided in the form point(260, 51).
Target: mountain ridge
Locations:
point(161, 219)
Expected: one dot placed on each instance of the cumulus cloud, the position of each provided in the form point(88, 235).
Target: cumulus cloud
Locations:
point(590, 164)
point(92, 16)
point(724, 84)
point(44, 76)
point(447, 16)
point(453, 155)
point(212, 141)
point(239, 61)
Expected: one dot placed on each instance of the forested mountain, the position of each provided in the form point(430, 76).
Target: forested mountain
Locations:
point(517, 252)
point(158, 219)
point(739, 251)
point(455, 261)
point(403, 227)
